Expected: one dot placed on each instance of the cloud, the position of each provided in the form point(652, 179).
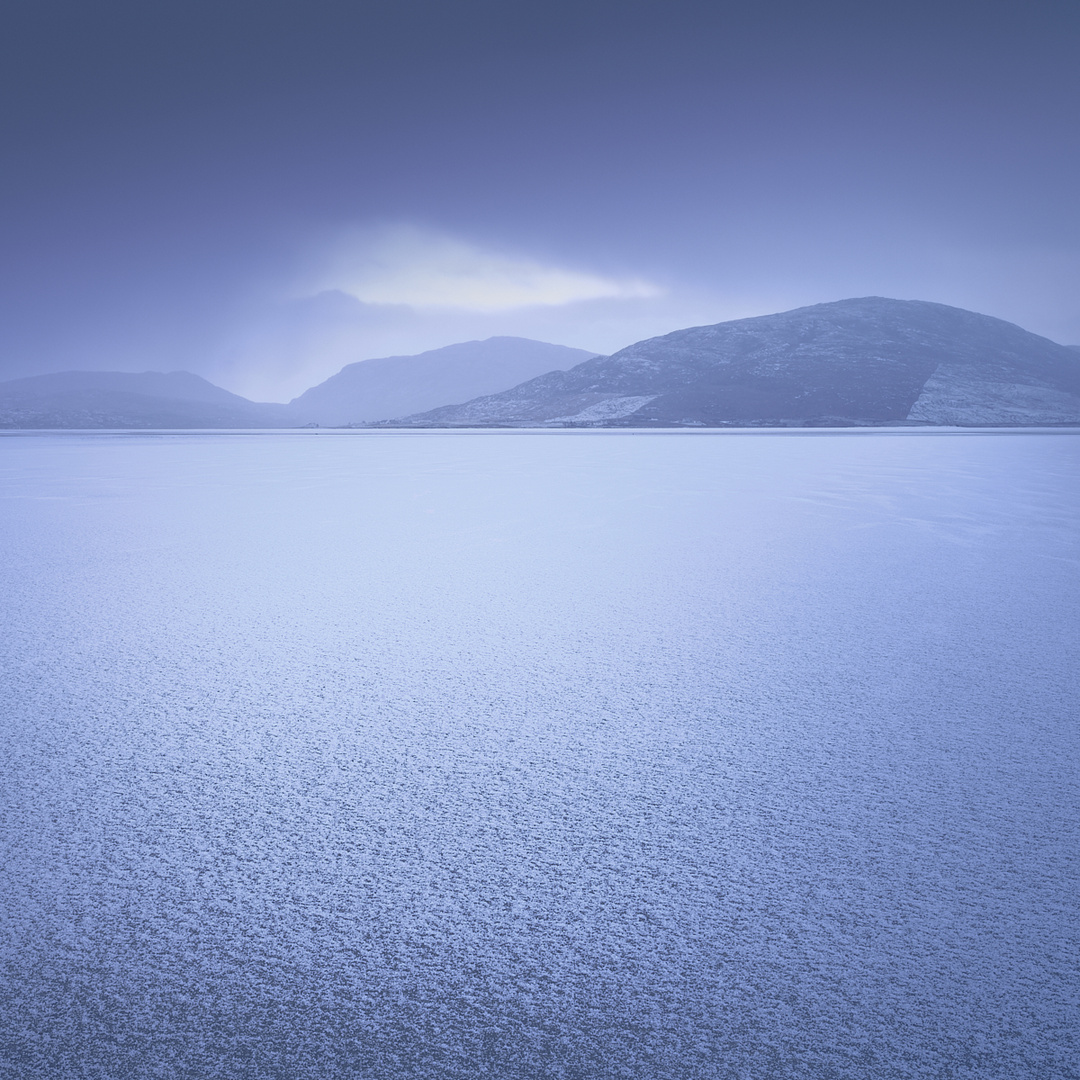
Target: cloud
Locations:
point(400, 290)
point(427, 270)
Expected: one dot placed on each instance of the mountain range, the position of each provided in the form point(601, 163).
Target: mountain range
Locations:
point(368, 390)
point(866, 361)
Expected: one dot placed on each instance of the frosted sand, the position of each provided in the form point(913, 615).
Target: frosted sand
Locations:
point(575, 755)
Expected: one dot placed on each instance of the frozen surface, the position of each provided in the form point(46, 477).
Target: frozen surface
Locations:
point(564, 754)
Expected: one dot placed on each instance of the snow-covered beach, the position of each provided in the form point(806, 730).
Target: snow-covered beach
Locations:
point(540, 754)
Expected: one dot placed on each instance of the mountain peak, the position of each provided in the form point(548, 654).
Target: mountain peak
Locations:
point(392, 386)
point(865, 360)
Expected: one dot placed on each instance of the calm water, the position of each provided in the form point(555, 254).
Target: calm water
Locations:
point(548, 755)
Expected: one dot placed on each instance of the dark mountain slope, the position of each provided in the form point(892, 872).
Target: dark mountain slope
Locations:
point(394, 385)
point(863, 361)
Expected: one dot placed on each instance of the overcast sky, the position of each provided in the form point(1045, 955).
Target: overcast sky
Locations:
point(264, 191)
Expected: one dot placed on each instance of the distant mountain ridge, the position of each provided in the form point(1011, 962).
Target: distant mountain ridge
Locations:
point(393, 386)
point(870, 360)
point(867, 361)
point(367, 390)
point(121, 399)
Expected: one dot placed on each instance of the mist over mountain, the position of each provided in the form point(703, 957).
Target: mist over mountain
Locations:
point(870, 360)
point(367, 390)
point(116, 399)
point(396, 385)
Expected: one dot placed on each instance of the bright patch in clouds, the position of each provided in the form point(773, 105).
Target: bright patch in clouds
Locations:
point(421, 269)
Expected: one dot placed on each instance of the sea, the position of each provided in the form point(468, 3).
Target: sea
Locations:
point(561, 755)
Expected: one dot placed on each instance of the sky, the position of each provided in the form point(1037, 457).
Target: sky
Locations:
point(261, 192)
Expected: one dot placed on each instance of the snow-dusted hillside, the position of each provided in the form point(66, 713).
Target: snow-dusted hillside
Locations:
point(863, 361)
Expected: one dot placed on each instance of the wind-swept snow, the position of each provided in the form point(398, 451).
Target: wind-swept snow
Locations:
point(540, 754)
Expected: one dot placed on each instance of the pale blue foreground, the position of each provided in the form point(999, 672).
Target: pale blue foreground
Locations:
point(564, 754)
